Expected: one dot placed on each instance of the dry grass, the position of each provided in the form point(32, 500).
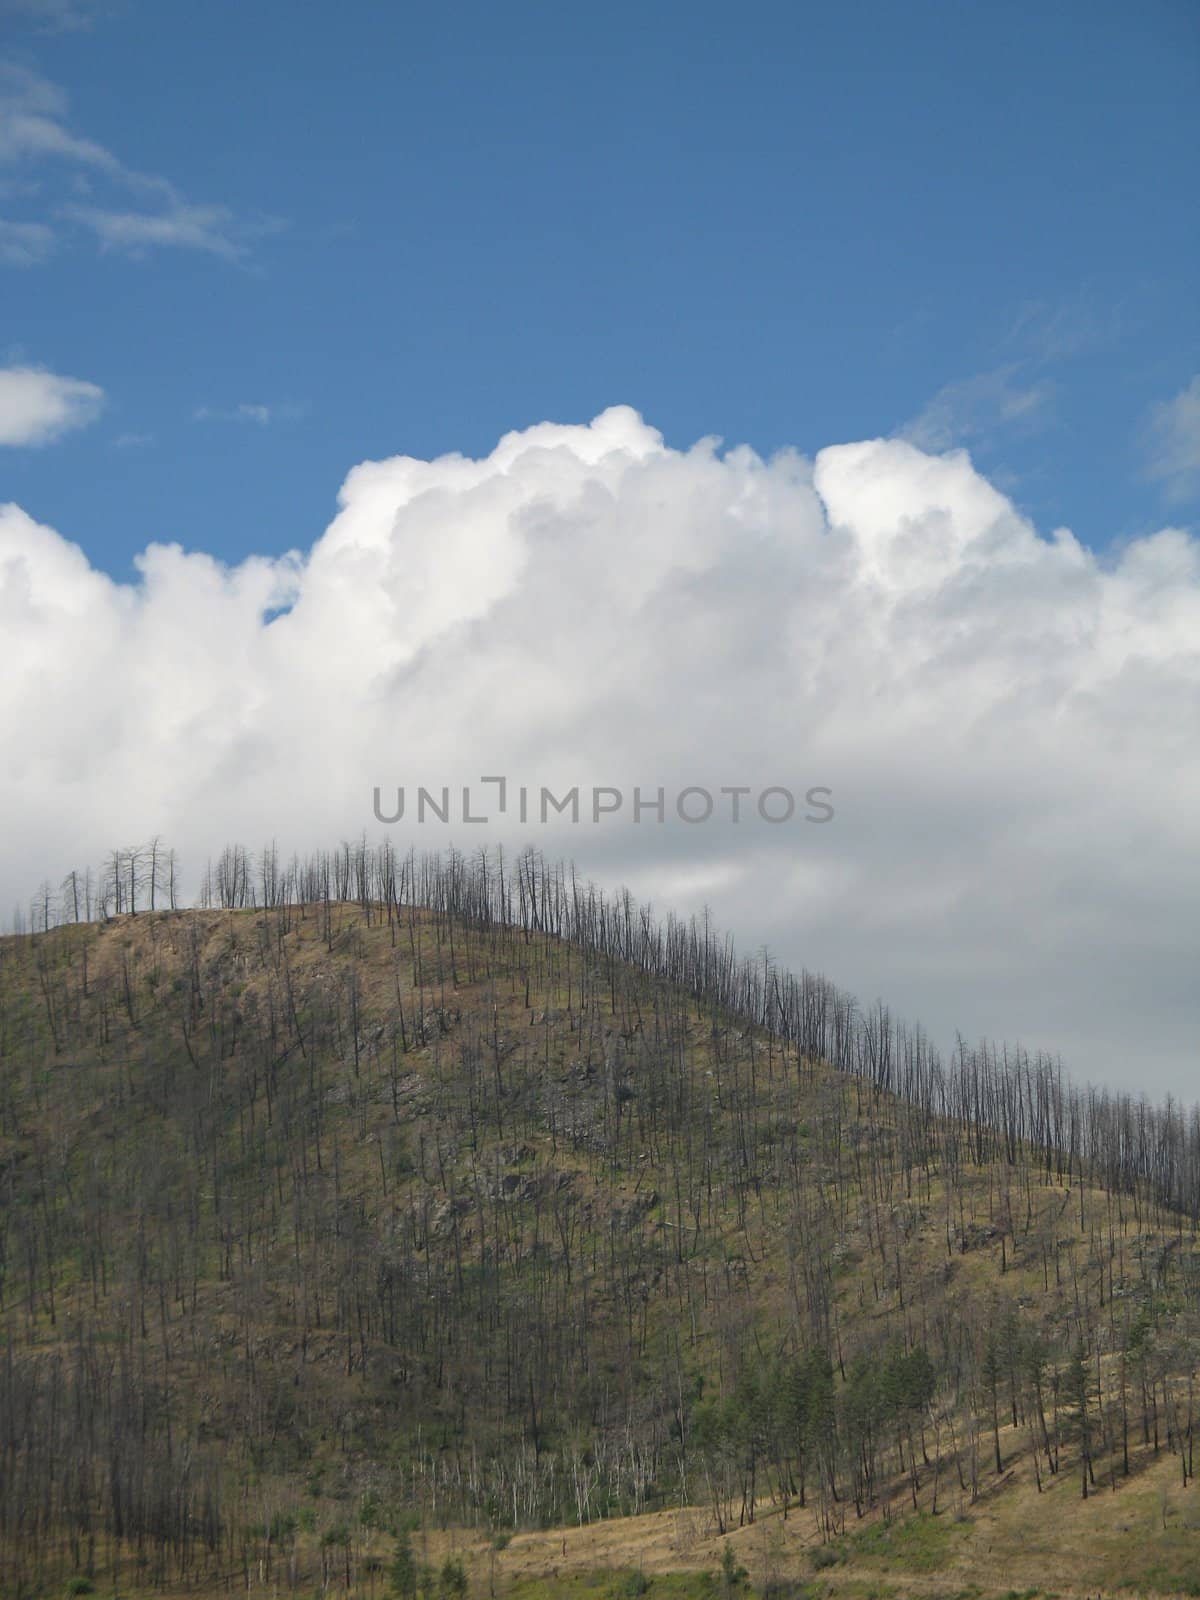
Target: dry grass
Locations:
point(1143, 1540)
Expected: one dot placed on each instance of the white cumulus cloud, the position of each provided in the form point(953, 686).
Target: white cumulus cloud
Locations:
point(37, 407)
point(1007, 721)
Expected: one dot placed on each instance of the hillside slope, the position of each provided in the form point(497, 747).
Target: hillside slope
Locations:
point(325, 1222)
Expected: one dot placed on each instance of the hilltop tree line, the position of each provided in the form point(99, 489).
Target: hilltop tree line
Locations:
point(1001, 1097)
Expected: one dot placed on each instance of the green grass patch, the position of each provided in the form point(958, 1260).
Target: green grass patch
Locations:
point(617, 1583)
point(920, 1543)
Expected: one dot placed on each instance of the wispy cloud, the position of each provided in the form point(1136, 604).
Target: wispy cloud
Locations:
point(37, 407)
point(1047, 331)
point(25, 244)
point(35, 131)
point(255, 412)
point(133, 441)
point(52, 16)
point(1173, 443)
point(33, 126)
point(183, 227)
point(979, 408)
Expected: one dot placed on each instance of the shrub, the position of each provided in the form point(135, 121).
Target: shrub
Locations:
point(732, 1576)
point(404, 1570)
point(452, 1579)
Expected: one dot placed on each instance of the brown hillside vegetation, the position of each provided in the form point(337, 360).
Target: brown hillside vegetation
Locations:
point(355, 1239)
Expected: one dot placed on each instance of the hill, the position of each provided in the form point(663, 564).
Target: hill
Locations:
point(351, 1238)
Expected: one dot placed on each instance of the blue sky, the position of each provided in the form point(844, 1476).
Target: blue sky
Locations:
point(382, 229)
